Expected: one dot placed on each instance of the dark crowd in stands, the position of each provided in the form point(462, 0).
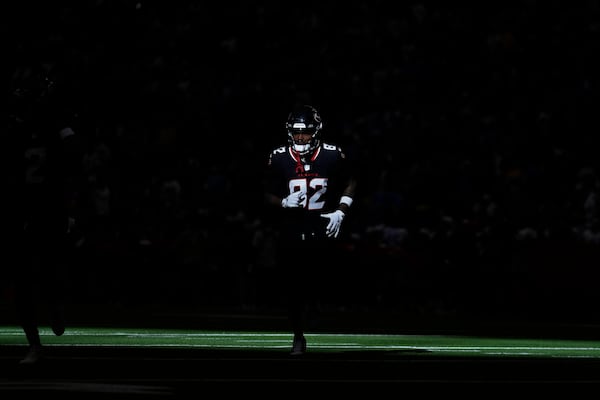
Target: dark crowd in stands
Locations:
point(473, 125)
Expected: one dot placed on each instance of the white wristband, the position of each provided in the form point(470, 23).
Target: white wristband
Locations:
point(347, 200)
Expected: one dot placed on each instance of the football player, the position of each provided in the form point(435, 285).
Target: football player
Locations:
point(311, 186)
point(44, 143)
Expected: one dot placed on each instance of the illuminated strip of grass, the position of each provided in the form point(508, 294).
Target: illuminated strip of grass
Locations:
point(422, 345)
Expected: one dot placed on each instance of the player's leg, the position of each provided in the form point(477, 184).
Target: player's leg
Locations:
point(55, 273)
point(26, 298)
point(294, 283)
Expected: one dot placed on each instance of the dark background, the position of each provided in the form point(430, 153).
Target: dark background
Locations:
point(474, 125)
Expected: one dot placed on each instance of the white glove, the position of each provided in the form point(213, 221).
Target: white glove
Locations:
point(294, 200)
point(335, 222)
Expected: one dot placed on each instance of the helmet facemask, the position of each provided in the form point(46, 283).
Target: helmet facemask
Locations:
point(303, 147)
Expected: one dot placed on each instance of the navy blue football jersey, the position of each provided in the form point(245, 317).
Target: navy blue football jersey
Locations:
point(322, 176)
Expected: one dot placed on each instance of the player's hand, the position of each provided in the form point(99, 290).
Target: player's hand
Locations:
point(294, 200)
point(335, 222)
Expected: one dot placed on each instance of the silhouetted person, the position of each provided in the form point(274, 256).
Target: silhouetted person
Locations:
point(45, 160)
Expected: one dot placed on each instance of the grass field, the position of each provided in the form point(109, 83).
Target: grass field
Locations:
point(132, 363)
point(180, 354)
point(420, 345)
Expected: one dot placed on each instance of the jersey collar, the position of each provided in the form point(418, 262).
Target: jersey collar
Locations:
point(296, 157)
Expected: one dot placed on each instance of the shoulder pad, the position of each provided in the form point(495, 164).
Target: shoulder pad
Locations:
point(279, 150)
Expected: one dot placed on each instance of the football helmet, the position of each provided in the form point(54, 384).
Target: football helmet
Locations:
point(304, 119)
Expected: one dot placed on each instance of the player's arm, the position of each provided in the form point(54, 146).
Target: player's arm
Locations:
point(293, 200)
point(347, 196)
point(345, 201)
point(337, 217)
point(73, 150)
point(272, 200)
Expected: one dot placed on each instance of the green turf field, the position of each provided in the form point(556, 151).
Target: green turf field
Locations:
point(422, 345)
